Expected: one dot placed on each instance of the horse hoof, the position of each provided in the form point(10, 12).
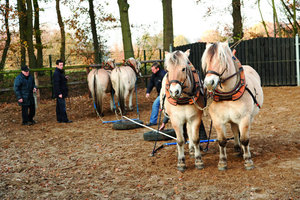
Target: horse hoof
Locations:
point(249, 166)
point(222, 166)
point(181, 168)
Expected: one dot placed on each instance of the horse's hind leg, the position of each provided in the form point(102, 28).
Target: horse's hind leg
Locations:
point(130, 100)
point(221, 130)
point(236, 133)
point(244, 130)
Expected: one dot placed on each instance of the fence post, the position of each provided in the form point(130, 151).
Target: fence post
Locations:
point(297, 59)
point(160, 58)
point(51, 81)
point(145, 65)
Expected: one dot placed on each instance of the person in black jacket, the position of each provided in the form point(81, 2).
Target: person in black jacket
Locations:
point(155, 81)
point(24, 88)
point(60, 90)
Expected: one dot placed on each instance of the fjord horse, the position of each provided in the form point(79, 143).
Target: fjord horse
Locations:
point(99, 84)
point(180, 98)
point(123, 80)
point(237, 94)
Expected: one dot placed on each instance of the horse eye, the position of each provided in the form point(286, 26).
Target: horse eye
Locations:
point(183, 69)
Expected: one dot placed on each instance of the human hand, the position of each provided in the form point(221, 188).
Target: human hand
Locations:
point(162, 127)
point(67, 77)
point(20, 100)
point(60, 95)
point(34, 90)
point(147, 95)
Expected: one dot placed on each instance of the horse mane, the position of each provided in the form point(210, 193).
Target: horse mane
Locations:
point(177, 58)
point(219, 51)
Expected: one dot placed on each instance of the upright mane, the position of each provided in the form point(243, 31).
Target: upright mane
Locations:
point(218, 51)
point(177, 58)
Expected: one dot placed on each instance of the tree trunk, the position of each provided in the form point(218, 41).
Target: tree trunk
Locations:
point(126, 33)
point(8, 36)
point(295, 19)
point(37, 32)
point(22, 29)
point(62, 32)
point(29, 35)
point(94, 32)
point(262, 19)
point(168, 24)
point(237, 20)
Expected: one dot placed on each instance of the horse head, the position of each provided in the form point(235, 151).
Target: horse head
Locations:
point(135, 64)
point(177, 66)
point(110, 64)
point(216, 60)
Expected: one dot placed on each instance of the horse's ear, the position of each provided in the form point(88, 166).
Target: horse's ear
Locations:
point(187, 53)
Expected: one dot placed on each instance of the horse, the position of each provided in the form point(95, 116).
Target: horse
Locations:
point(123, 80)
point(99, 84)
point(181, 99)
point(237, 97)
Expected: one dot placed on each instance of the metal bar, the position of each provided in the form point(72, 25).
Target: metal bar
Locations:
point(297, 60)
point(150, 128)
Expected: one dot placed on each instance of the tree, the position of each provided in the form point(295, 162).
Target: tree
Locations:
point(21, 7)
point(125, 26)
point(262, 19)
point(167, 24)
point(94, 32)
point(237, 20)
point(37, 33)
point(180, 40)
point(29, 35)
point(5, 10)
point(62, 32)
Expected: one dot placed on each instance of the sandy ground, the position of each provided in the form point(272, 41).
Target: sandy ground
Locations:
point(90, 160)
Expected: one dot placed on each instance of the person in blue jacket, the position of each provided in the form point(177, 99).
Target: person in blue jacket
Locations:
point(24, 88)
point(155, 81)
point(60, 90)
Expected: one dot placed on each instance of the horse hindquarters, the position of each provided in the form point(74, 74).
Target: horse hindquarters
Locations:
point(118, 87)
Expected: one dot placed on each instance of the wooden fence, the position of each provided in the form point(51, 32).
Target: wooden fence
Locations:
point(273, 58)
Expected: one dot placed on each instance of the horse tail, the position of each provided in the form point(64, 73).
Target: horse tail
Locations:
point(120, 92)
point(97, 95)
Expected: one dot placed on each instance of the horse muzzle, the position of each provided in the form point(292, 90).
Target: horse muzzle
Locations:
point(211, 82)
point(175, 91)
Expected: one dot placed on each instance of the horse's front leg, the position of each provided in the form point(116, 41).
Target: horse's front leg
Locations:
point(221, 135)
point(180, 147)
point(194, 140)
point(244, 138)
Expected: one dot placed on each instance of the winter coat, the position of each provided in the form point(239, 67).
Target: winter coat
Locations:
point(23, 87)
point(60, 83)
point(156, 80)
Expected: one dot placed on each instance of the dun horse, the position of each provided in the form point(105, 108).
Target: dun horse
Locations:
point(237, 94)
point(180, 99)
point(123, 81)
point(99, 84)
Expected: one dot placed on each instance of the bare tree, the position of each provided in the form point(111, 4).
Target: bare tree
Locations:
point(5, 10)
point(237, 20)
point(125, 25)
point(37, 33)
point(168, 24)
point(21, 7)
point(262, 19)
point(29, 35)
point(62, 32)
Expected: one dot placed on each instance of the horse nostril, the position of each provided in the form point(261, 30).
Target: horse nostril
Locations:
point(212, 82)
point(176, 92)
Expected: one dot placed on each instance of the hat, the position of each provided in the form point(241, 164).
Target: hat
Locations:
point(25, 68)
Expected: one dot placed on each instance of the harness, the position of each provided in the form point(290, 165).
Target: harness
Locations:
point(196, 90)
point(129, 64)
point(239, 88)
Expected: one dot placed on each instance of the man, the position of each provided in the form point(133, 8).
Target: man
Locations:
point(155, 81)
point(60, 90)
point(24, 88)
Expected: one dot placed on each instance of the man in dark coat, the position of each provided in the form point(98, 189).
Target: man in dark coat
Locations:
point(60, 92)
point(155, 81)
point(24, 88)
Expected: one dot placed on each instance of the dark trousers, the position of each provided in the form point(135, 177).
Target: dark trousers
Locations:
point(28, 117)
point(61, 114)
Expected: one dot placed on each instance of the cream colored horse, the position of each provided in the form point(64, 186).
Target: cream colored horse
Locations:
point(237, 95)
point(123, 81)
point(99, 84)
point(180, 99)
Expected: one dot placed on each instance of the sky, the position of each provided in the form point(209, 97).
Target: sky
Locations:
point(188, 17)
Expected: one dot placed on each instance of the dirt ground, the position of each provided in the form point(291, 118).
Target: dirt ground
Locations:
point(90, 160)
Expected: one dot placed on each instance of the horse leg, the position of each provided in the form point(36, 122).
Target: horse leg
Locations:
point(221, 130)
point(126, 93)
point(236, 133)
point(194, 139)
point(130, 100)
point(244, 130)
point(112, 101)
point(187, 133)
point(180, 147)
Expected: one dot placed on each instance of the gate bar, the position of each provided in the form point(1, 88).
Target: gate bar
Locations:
point(297, 59)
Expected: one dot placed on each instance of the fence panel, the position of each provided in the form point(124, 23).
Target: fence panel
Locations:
point(274, 59)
